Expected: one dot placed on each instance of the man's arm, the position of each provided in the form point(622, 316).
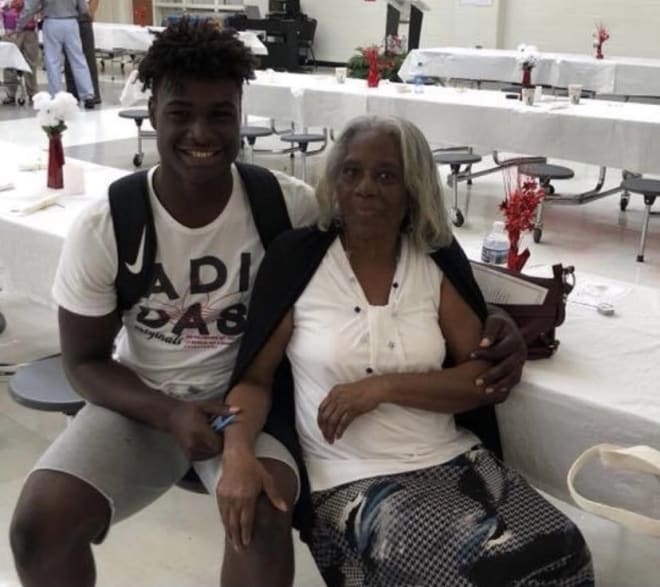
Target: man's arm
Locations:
point(503, 345)
point(93, 7)
point(87, 344)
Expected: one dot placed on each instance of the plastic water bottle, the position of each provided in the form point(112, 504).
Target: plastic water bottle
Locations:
point(496, 245)
point(418, 78)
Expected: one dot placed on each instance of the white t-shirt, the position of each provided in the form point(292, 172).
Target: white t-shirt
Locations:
point(186, 331)
point(338, 337)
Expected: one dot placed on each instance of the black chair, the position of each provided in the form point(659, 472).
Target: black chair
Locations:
point(455, 160)
point(650, 189)
point(250, 134)
point(300, 142)
point(545, 173)
point(138, 115)
point(306, 34)
point(42, 385)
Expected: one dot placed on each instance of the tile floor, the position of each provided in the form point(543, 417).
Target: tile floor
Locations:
point(175, 542)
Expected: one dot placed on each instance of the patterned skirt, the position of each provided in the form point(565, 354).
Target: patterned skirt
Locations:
point(471, 522)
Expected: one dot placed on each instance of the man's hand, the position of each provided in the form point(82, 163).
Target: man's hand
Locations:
point(190, 424)
point(503, 345)
point(243, 480)
point(346, 402)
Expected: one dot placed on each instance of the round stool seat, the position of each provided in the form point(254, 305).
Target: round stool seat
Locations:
point(137, 114)
point(254, 132)
point(303, 138)
point(454, 158)
point(42, 385)
point(641, 185)
point(547, 171)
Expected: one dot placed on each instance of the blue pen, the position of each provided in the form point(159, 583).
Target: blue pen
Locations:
point(219, 423)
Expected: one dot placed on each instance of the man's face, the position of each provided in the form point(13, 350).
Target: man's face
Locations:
point(197, 125)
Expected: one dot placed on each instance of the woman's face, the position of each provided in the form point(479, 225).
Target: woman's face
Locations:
point(370, 192)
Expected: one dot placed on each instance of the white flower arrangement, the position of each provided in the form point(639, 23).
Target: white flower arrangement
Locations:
point(527, 56)
point(53, 112)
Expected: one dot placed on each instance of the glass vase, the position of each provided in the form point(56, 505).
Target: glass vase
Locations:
point(599, 50)
point(55, 162)
point(527, 77)
point(373, 77)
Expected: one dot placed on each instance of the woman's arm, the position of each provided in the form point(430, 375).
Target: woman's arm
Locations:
point(244, 478)
point(252, 395)
point(451, 390)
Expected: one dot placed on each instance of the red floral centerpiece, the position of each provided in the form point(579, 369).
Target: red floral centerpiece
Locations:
point(600, 36)
point(52, 112)
point(527, 56)
point(372, 56)
point(523, 196)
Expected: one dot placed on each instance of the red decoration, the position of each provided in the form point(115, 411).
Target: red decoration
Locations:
point(600, 36)
point(372, 55)
point(519, 207)
point(55, 162)
point(527, 77)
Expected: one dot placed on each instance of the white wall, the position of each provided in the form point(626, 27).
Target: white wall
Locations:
point(567, 25)
point(346, 24)
point(115, 11)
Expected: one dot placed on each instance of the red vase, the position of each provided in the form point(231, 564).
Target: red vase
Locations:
point(373, 77)
point(55, 162)
point(527, 77)
point(514, 260)
point(599, 51)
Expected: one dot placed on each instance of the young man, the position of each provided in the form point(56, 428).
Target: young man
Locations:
point(152, 400)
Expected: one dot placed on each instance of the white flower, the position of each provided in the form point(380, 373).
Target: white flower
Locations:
point(47, 117)
point(65, 105)
point(527, 56)
point(53, 112)
point(40, 99)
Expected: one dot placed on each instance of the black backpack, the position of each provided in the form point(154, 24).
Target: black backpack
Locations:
point(133, 220)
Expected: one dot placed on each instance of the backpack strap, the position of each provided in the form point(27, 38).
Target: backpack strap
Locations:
point(135, 235)
point(266, 201)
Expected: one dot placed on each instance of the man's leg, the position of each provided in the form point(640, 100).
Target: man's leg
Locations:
point(87, 40)
point(74, 53)
point(52, 37)
point(56, 520)
point(30, 49)
point(101, 469)
point(268, 561)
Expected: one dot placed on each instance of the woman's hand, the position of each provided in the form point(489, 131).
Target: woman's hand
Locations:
point(503, 345)
point(190, 424)
point(346, 402)
point(243, 480)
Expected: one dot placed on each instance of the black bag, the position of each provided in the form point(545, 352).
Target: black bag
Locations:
point(538, 322)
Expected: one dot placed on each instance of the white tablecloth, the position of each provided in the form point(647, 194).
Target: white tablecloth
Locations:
point(11, 57)
point(599, 132)
point(131, 37)
point(600, 387)
point(30, 244)
point(627, 76)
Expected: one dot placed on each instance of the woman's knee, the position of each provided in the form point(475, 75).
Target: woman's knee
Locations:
point(55, 511)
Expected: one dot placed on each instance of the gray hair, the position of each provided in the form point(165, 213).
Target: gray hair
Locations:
point(428, 225)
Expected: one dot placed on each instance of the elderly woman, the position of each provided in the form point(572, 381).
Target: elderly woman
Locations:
point(377, 313)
